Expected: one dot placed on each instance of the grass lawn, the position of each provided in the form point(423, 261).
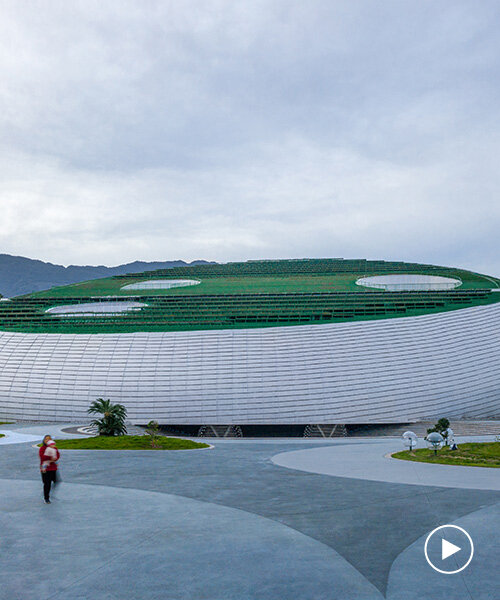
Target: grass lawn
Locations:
point(5, 422)
point(127, 442)
point(242, 284)
point(216, 285)
point(469, 455)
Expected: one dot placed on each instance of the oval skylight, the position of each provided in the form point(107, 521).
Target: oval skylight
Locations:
point(160, 284)
point(407, 283)
point(95, 309)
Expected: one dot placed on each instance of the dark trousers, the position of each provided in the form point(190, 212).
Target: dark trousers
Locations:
point(48, 478)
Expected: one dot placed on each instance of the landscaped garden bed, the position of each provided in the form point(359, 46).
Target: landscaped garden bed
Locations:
point(128, 442)
point(470, 455)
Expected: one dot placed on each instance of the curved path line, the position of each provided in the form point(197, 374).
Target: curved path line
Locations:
point(369, 461)
point(114, 539)
point(17, 433)
point(411, 578)
point(13, 437)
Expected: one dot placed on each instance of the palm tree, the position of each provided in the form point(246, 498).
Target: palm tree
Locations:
point(113, 419)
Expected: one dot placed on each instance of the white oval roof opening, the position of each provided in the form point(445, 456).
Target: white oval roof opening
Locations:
point(160, 284)
point(95, 309)
point(407, 283)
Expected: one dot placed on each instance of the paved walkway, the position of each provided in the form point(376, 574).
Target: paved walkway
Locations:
point(13, 437)
point(161, 546)
point(226, 524)
point(370, 461)
point(16, 433)
point(478, 581)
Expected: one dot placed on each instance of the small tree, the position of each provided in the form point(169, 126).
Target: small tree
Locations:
point(113, 417)
point(441, 427)
point(152, 429)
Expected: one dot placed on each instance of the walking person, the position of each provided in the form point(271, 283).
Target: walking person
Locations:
point(49, 455)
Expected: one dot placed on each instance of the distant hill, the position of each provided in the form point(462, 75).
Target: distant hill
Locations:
point(20, 275)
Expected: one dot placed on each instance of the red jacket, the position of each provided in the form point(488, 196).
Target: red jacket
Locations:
point(52, 466)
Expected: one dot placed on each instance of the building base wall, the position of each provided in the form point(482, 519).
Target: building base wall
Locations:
point(386, 371)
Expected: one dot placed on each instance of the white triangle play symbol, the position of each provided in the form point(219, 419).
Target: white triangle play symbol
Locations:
point(448, 549)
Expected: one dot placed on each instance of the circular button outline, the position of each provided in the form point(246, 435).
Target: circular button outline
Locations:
point(457, 570)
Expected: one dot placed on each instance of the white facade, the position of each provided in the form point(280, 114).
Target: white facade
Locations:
point(392, 370)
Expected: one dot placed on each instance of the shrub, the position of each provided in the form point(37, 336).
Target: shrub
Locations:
point(152, 430)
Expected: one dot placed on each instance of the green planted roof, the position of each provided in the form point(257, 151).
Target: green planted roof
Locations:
point(249, 294)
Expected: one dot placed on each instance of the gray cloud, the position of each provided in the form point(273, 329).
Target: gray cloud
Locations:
point(232, 130)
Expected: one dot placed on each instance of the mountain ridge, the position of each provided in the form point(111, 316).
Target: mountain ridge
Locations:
point(21, 275)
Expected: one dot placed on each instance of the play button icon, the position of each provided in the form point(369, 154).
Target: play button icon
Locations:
point(448, 549)
point(444, 542)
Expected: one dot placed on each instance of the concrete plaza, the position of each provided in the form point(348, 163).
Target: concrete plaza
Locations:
point(249, 519)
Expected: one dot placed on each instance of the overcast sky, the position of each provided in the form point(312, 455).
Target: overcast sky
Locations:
point(242, 130)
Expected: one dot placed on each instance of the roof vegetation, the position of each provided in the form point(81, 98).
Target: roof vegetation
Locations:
point(249, 294)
